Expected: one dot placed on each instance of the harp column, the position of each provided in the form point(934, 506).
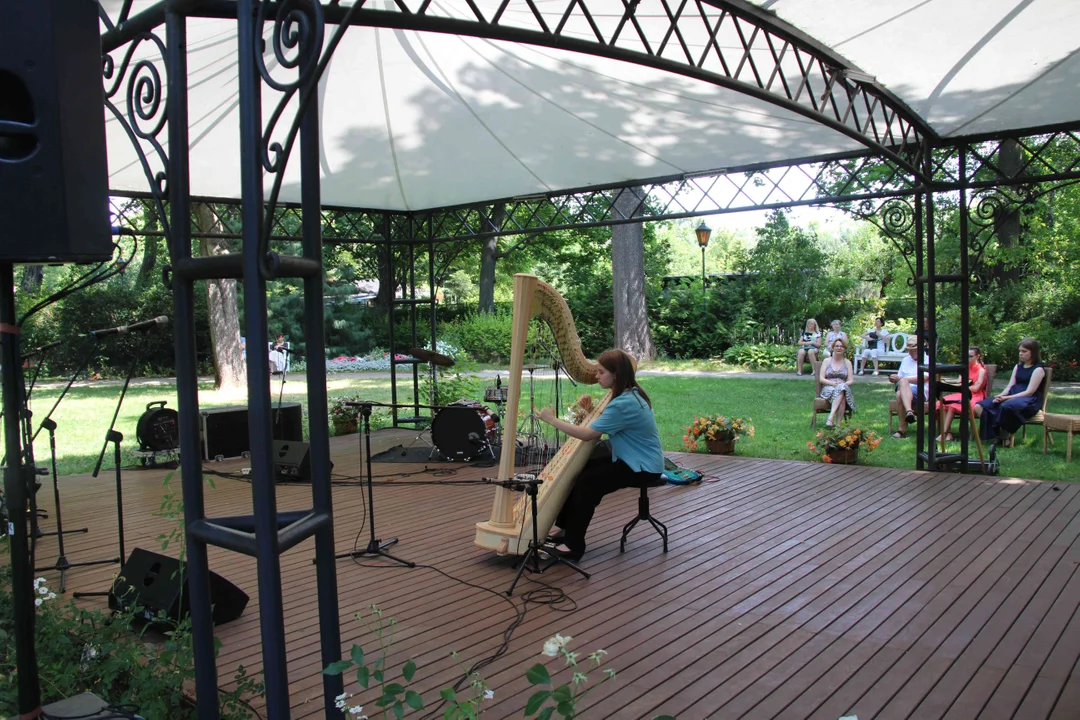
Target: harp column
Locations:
point(502, 513)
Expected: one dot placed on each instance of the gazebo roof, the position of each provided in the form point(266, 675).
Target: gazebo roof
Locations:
point(413, 120)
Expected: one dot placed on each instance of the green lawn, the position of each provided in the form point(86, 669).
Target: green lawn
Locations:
point(780, 409)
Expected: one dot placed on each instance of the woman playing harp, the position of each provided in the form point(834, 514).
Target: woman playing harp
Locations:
point(636, 456)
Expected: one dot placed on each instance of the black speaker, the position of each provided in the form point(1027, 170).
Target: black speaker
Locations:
point(288, 421)
point(158, 583)
point(291, 462)
point(54, 176)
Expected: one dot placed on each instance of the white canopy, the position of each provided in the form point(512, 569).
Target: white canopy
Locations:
point(416, 120)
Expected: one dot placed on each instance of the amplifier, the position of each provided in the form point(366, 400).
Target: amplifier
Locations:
point(225, 430)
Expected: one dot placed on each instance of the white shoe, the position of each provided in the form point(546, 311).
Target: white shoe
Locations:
point(862, 372)
point(876, 372)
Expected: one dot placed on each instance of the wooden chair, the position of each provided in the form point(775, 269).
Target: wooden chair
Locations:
point(821, 405)
point(1039, 417)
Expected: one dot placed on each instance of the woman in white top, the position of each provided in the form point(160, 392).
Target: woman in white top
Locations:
point(877, 340)
point(832, 336)
point(809, 342)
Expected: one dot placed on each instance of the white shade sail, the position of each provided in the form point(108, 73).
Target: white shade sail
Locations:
point(415, 120)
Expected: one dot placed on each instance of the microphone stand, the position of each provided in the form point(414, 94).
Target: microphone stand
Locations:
point(530, 487)
point(62, 564)
point(115, 437)
point(375, 546)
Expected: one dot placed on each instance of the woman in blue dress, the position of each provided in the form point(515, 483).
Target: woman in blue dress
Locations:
point(636, 457)
point(1003, 414)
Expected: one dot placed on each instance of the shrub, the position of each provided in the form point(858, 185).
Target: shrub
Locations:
point(760, 356)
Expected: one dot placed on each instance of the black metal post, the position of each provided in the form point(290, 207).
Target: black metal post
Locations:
point(318, 431)
point(18, 481)
point(919, 307)
point(187, 380)
point(965, 314)
point(930, 319)
point(264, 499)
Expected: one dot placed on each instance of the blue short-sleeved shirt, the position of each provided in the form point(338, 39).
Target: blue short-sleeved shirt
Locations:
point(629, 422)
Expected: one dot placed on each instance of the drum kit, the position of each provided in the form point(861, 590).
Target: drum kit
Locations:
point(465, 429)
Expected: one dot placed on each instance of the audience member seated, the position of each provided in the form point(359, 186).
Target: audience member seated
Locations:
point(279, 359)
point(809, 342)
point(976, 385)
point(877, 340)
point(836, 376)
point(832, 336)
point(907, 390)
point(1002, 415)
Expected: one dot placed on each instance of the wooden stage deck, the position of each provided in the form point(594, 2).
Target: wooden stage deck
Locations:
point(790, 590)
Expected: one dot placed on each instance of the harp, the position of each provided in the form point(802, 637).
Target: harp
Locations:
point(509, 530)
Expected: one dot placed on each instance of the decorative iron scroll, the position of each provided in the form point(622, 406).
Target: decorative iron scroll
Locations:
point(895, 218)
point(144, 91)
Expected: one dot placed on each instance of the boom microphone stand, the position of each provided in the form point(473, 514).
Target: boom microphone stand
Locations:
point(115, 437)
point(530, 485)
point(375, 546)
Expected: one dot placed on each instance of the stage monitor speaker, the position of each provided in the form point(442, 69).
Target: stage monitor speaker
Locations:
point(158, 584)
point(291, 461)
point(54, 176)
point(288, 419)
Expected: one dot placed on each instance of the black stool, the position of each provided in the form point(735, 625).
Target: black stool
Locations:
point(644, 514)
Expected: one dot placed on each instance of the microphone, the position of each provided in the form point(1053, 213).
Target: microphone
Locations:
point(474, 438)
point(43, 348)
point(159, 321)
point(498, 381)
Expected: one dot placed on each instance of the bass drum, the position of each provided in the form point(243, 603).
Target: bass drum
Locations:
point(459, 433)
point(158, 428)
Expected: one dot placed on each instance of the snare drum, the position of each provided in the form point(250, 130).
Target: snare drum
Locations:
point(498, 394)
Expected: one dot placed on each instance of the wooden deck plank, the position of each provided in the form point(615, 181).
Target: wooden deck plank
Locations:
point(790, 590)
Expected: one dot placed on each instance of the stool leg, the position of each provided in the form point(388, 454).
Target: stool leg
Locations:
point(646, 515)
point(1045, 433)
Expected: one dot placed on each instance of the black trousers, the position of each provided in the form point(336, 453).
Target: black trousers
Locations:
point(599, 477)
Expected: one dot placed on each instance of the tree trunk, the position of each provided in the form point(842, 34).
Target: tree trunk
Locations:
point(1007, 225)
point(632, 332)
point(147, 270)
point(489, 253)
point(386, 276)
point(33, 275)
point(229, 368)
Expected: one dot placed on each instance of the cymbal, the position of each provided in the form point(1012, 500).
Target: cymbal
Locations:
point(431, 357)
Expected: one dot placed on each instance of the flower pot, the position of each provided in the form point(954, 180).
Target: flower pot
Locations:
point(721, 447)
point(843, 456)
point(345, 427)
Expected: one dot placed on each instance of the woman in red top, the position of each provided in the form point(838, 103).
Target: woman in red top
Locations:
point(976, 384)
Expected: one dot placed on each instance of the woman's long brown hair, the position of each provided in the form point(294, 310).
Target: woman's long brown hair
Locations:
point(620, 364)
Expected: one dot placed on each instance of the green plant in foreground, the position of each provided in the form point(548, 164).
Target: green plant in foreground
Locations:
point(393, 696)
point(396, 697)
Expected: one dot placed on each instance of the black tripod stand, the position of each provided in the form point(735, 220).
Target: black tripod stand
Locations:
point(114, 437)
point(62, 563)
point(375, 546)
point(530, 485)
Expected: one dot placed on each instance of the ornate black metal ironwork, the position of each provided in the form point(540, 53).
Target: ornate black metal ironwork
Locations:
point(146, 116)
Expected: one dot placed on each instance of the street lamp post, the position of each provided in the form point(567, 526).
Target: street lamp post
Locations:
point(703, 233)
